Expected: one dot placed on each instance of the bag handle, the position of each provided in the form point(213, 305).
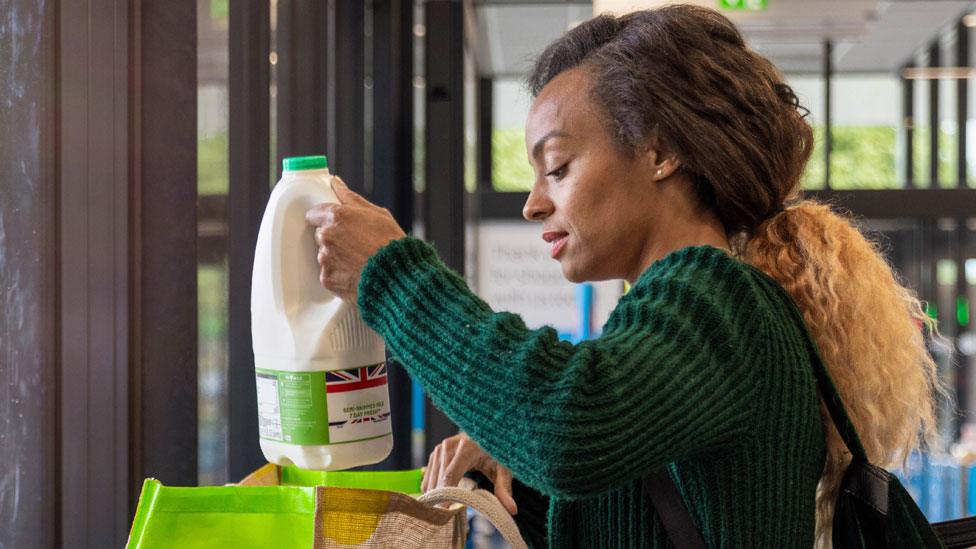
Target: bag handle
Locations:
point(482, 501)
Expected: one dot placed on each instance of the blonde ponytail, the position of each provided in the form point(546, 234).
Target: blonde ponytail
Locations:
point(867, 327)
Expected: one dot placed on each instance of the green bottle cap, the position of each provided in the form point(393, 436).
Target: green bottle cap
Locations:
point(296, 163)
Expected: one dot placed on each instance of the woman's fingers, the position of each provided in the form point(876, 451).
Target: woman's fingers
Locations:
point(455, 466)
point(430, 473)
point(503, 488)
point(320, 214)
point(345, 195)
point(457, 455)
point(443, 457)
point(348, 233)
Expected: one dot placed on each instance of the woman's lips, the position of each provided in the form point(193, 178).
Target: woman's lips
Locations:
point(558, 240)
point(558, 246)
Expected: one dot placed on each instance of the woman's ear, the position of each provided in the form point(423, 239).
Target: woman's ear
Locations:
point(662, 164)
point(666, 167)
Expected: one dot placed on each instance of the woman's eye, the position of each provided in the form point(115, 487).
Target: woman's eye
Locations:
point(558, 173)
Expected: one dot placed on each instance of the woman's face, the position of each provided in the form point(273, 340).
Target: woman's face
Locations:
point(600, 208)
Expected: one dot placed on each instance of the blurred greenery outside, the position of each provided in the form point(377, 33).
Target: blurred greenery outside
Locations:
point(212, 179)
point(219, 9)
point(212, 334)
point(863, 157)
point(212, 166)
point(212, 294)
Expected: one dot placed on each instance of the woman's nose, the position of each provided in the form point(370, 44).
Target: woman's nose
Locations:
point(537, 206)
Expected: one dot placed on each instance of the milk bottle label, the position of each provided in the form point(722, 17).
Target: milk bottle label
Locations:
point(314, 408)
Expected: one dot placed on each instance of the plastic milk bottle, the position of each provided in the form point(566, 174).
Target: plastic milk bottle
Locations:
point(323, 401)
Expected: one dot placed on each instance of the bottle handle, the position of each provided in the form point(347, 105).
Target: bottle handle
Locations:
point(295, 268)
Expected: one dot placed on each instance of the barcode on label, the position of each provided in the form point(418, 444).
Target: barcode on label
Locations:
point(269, 413)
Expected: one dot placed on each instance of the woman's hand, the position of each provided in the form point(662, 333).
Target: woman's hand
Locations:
point(457, 455)
point(348, 234)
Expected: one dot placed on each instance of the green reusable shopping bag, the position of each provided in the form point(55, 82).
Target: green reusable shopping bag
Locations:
point(280, 515)
point(407, 482)
point(223, 516)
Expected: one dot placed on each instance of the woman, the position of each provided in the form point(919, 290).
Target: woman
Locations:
point(668, 154)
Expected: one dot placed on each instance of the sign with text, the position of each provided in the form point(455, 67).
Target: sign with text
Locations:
point(515, 273)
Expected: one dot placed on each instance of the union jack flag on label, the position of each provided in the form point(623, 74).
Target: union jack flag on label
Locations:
point(358, 402)
point(340, 381)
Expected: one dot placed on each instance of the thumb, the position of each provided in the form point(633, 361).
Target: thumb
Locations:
point(343, 193)
point(503, 489)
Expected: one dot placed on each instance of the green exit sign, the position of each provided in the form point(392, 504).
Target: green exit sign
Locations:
point(750, 5)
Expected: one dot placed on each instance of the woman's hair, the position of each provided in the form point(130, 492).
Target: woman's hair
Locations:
point(682, 77)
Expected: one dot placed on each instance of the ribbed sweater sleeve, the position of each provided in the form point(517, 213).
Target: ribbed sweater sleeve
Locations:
point(669, 378)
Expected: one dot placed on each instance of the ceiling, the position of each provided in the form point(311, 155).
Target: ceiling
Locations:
point(868, 35)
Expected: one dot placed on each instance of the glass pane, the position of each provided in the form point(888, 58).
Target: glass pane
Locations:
point(809, 90)
point(212, 172)
point(470, 122)
point(948, 127)
point(971, 120)
point(866, 118)
point(510, 169)
point(212, 322)
point(920, 134)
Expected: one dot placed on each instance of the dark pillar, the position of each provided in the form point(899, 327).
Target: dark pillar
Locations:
point(934, 62)
point(962, 288)
point(345, 91)
point(164, 173)
point(249, 75)
point(443, 210)
point(320, 101)
point(98, 217)
point(962, 105)
point(29, 477)
point(393, 139)
point(828, 74)
point(955, 316)
point(392, 168)
point(908, 123)
point(302, 105)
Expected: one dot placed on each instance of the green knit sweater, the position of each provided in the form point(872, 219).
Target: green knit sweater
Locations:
point(699, 368)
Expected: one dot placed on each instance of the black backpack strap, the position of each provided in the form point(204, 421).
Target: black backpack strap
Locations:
point(664, 495)
point(828, 391)
point(957, 534)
